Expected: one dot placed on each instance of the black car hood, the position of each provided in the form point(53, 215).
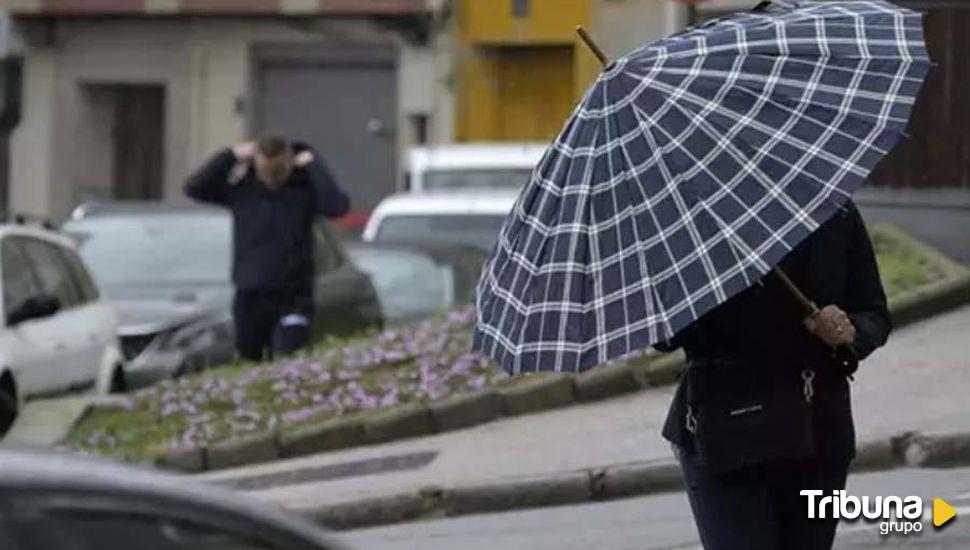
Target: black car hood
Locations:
point(147, 309)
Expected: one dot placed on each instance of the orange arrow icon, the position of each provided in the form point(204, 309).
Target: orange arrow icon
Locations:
point(942, 512)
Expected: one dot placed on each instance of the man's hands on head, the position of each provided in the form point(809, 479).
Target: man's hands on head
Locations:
point(832, 325)
point(303, 159)
point(245, 151)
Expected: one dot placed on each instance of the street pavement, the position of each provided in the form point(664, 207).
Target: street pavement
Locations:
point(664, 522)
point(919, 381)
point(45, 422)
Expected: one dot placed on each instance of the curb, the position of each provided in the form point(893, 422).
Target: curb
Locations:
point(607, 483)
point(546, 391)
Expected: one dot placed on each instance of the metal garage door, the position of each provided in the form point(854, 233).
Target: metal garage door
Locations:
point(343, 102)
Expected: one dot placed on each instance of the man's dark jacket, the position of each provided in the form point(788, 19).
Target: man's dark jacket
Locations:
point(763, 327)
point(272, 229)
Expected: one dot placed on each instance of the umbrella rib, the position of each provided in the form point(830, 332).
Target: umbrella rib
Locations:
point(619, 244)
point(668, 179)
point(650, 298)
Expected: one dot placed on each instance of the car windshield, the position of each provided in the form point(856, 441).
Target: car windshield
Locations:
point(489, 178)
point(480, 230)
point(407, 283)
point(127, 250)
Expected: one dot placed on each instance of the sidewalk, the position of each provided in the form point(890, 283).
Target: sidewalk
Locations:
point(919, 382)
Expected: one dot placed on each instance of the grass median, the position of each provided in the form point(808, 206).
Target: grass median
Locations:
point(418, 363)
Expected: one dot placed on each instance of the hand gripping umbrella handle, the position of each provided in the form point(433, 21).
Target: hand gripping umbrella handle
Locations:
point(845, 353)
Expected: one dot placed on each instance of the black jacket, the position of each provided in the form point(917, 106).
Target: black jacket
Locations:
point(762, 329)
point(272, 230)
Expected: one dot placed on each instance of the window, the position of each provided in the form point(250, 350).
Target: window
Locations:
point(326, 252)
point(170, 248)
point(55, 278)
point(19, 284)
point(86, 288)
point(479, 230)
point(486, 178)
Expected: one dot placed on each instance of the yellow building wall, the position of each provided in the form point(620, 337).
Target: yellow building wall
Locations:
point(518, 78)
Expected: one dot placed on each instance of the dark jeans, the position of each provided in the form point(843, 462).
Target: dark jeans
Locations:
point(271, 323)
point(759, 507)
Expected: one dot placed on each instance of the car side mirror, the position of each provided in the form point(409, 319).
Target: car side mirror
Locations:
point(36, 307)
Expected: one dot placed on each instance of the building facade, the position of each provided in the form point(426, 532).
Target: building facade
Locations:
point(123, 98)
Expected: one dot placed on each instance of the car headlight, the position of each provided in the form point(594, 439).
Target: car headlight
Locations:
point(199, 334)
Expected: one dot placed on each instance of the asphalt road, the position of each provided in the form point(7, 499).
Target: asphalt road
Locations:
point(664, 522)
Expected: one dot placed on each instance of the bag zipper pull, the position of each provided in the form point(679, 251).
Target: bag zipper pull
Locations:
point(808, 389)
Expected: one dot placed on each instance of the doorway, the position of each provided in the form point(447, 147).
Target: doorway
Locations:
point(343, 102)
point(121, 142)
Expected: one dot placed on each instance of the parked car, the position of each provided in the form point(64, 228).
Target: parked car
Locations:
point(415, 281)
point(467, 217)
point(167, 270)
point(57, 333)
point(54, 501)
point(471, 166)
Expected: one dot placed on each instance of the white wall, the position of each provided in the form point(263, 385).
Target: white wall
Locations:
point(31, 146)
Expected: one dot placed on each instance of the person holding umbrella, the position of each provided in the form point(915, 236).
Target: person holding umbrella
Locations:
point(764, 411)
point(700, 197)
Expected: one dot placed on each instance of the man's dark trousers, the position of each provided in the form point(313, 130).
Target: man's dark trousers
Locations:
point(759, 507)
point(271, 323)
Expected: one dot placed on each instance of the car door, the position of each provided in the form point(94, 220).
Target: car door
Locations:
point(35, 350)
point(71, 324)
point(344, 298)
point(99, 322)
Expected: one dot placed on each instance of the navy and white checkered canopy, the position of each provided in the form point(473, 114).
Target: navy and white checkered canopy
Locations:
point(688, 170)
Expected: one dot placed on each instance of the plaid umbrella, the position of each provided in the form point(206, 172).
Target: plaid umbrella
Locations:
point(690, 168)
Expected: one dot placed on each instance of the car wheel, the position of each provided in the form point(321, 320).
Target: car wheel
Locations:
point(118, 382)
point(8, 407)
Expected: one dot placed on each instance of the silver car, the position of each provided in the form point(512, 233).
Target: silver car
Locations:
point(166, 268)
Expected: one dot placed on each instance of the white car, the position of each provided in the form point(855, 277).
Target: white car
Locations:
point(472, 166)
point(57, 334)
point(468, 217)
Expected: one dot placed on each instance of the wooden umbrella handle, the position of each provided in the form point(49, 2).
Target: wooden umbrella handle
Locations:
point(809, 305)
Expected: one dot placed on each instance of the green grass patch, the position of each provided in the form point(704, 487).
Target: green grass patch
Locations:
point(901, 268)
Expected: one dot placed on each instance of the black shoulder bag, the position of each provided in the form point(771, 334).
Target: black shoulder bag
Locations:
point(744, 413)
